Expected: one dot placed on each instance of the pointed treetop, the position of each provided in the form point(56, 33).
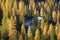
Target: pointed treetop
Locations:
point(29, 32)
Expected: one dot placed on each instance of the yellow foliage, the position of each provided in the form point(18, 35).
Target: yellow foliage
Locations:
point(57, 28)
point(54, 15)
point(35, 12)
point(21, 10)
point(23, 31)
point(45, 29)
point(11, 28)
point(58, 16)
point(45, 6)
point(41, 12)
point(21, 37)
point(42, 22)
point(21, 7)
point(37, 35)
point(15, 5)
point(30, 36)
point(50, 29)
point(32, 4)
point(39, 4)
point(8, 5)
point(48, 9)
point(58, 36)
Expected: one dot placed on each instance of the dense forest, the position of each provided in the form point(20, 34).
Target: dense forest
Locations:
point(29, 20)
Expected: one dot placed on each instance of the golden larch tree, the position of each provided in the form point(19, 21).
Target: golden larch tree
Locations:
point(37, 35)
point(54, 15)
point(30, 36)
point(57, 28)
point(23, 30)
point(21, 11)
point(41, 12)
point(12, 29)
point(50, 28)
point(21, 37)
point(45, 29)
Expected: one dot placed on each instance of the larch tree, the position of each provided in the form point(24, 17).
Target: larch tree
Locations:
point(8, 7)
point(30, 36)
point(37, 35)
point(45, 29)
point(54, 16)
point(41, 12)
point(4, 24)
point(21, 10)
point(32, 4)
point(23, 31)
point(42, 26)
point(35, 12)
point(57, 28)
point(49, 30)
point(52, 32)
point(58, 35)
point(12, 29)
point(58, 16)
point(21, 37)
point(15, 6)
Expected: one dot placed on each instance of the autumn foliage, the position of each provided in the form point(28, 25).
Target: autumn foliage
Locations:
point(13, 20)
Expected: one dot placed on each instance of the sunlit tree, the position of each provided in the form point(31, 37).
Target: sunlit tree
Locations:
point(42, 22)
point(57, 28)
point(52, 33)
point(37, 35)
point(41, 12)
point(58, 35)
point(32, 4)
point(45, 29)
point(21, 37)
point(15, 6)
point(23, 30)
point(50, 28)
point(30, 36)
point(54, 15)
point(48, 9)
point(8, 6)
point(12, 29)
point(45, 6)
point(21, 10)
point(4, 31)
point(58, 16)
